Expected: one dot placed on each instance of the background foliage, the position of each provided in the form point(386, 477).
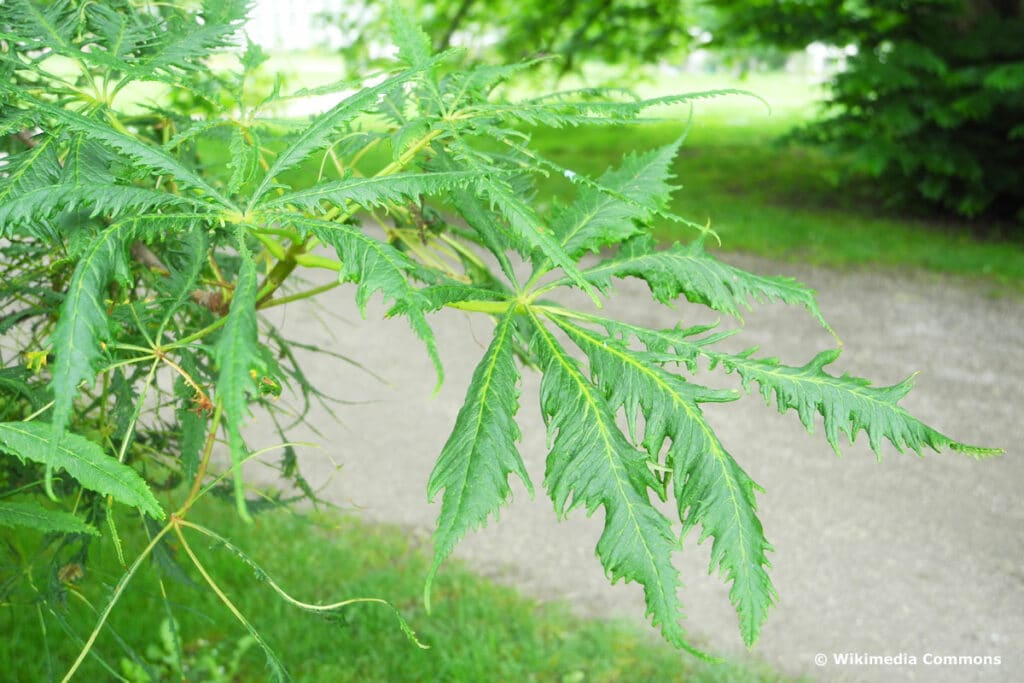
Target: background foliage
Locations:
point(931, 105)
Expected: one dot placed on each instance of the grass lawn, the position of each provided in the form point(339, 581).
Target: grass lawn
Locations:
point(477, 631)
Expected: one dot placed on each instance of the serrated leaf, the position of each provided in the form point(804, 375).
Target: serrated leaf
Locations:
point(599, 219)
point(677, 344)
point(709, 487)
point(374, 191)
point(83, 460)
point(107, 198)
point(476, 84)
point(244, 158)
point(36, 516)
point(153, 226)
point(87, 162)
point(192, 427)
point(160, 46)
point(83, 322)
point(579, 107)
point(526, 226)
point(438, 296)
point(238, 358)
point(51, 24)
point(375, 266)
point(318, 134)
point(480, 453)
point(151, 157)
point(186, 265)
point(413, 44)
point(13, 382)
point(847, 404)
point(26, 171)
point(592, 463)
point(690, 271)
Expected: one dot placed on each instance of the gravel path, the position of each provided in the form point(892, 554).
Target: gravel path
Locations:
point(913, 557)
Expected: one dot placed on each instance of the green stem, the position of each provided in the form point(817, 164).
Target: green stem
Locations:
point(309, 293)
point(204, 462)
point(272, 245)
point(213, 327)
point(280, 272)
point(493, 307)
point(317, 261)
point(139, 402)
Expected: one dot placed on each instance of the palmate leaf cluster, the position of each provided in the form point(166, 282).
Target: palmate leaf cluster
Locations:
point(140, 250)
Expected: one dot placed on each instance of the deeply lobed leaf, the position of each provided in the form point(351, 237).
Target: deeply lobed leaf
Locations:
point(371, 192)
point(688, 270)
point(150, 157)
point(480, 454)
point(847, 404)
point(592, 463)
point(318, 134)
point(83, 324)
point(597, 219)
point(709, 487)
point(240, 364)
point(108, 199)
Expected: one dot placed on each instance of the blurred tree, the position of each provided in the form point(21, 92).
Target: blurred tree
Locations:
point(614, 31)
point(932, 104)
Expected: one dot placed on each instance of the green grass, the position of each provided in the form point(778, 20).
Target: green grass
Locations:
point(477, 631)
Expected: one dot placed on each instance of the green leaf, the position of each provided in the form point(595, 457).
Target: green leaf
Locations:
point(847, 404)
point(480, 454)
point(592, 463)
point(238, 358)
point(318, 134)
point(525, 225)
point(150, 157)
point(37, 517)
point(143, 46)
point(192, 423)
point(679, 344)
point(690, 271)
point(83, 460)
point(13, 382)
point(590, 106)
point(87, 163)
point(375, 266)
point(438, 296)
point(599, 219)
point(709, 487)
point(108, 199)
point(375, 191)
point(83, 323)
point(154, 226)
point(183, 43)
point(26, 171)
point(186, 259)
point(244, 157)
point(491, 236)
point(414, 46)
point(50, 24)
